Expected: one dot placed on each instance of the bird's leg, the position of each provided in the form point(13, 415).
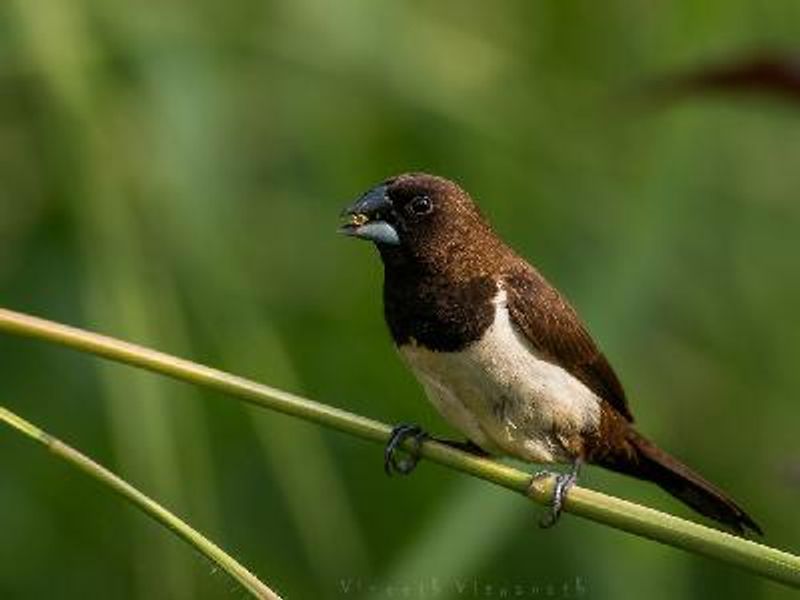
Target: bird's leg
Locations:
point(467, 446)
point(400, 433)
point(404, 431)
point(564, 481)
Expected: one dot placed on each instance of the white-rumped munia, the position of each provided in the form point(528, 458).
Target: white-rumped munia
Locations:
point(501, 354)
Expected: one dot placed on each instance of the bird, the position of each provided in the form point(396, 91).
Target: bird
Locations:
point(500, 353)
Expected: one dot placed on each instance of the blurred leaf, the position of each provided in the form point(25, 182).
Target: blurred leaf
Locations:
point(771, 75)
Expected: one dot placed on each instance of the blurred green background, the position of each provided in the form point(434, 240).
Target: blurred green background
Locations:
point(171, 173)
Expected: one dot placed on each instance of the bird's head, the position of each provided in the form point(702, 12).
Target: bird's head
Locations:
point(415, 215)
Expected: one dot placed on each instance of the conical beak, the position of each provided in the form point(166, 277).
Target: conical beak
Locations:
point(367, 217)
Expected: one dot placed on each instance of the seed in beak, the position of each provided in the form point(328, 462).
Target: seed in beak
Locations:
point(358, 219)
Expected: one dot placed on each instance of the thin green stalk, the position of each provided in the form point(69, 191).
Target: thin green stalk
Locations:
point(765, 561)
point(144, 503)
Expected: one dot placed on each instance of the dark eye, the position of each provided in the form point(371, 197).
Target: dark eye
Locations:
point(420, 205)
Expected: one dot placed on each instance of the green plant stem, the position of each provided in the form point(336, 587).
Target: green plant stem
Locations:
point(768, 562)
point(147, 505)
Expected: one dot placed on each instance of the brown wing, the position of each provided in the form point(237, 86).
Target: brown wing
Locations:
point(553, 327)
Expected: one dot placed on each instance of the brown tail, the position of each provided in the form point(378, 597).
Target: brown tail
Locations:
point(653, 464)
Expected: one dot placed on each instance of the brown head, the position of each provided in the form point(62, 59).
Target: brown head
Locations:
point(418, 219)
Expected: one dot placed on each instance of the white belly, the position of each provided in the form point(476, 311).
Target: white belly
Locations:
point(504, 397)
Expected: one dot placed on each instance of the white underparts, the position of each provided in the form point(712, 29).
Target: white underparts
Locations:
point(503, 396)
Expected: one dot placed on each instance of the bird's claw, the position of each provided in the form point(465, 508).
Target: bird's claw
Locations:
point(563, 483)
point(400, 433)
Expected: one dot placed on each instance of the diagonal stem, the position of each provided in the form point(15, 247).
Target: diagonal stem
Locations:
point(760, 559)
point(147, 505)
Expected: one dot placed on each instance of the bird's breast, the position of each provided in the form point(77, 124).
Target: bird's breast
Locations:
point(504, 396)
point(437, 312)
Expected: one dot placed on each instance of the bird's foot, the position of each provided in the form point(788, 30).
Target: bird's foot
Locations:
point(394, 464)
point(564, 481)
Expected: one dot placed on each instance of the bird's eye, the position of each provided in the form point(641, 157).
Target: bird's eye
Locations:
point(420, 205)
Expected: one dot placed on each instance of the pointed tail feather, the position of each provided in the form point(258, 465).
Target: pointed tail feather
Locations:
point(653, 464)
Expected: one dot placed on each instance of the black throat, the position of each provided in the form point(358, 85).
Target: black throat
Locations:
point(440, 313)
